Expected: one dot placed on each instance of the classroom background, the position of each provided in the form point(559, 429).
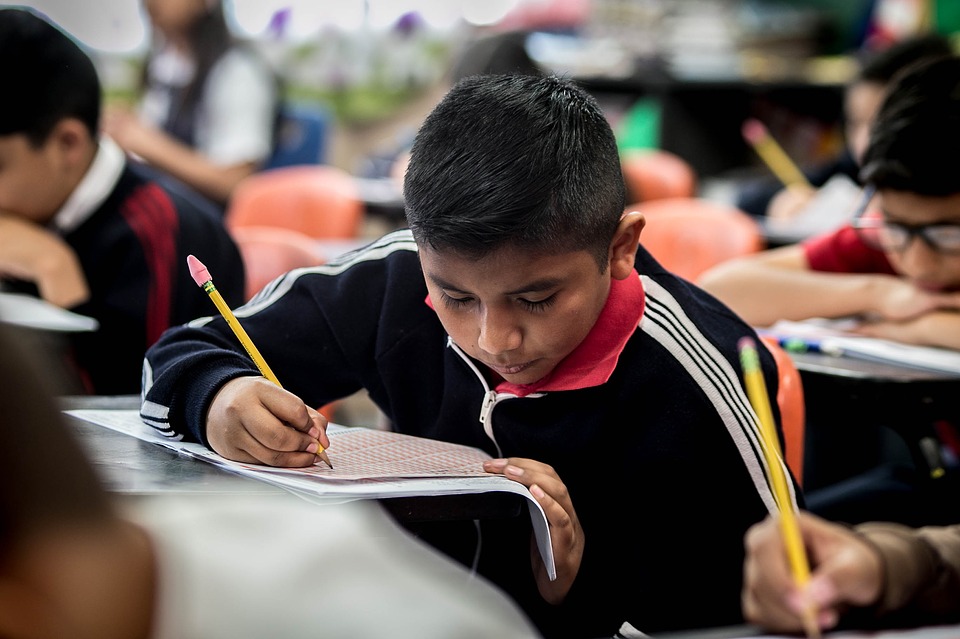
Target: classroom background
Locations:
point(677, 79)
point(371, 69)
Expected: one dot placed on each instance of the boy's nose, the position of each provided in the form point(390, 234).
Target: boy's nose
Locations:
point(498, 334)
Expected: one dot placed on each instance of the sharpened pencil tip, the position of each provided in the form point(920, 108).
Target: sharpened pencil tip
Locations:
point(322, 454)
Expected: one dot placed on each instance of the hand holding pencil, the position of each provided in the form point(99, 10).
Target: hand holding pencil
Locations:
point(258, 423)
point(845, 571)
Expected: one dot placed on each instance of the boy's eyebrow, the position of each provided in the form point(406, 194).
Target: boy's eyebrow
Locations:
point(536, 286)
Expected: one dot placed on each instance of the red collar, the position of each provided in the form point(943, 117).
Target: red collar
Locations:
point(594, 360)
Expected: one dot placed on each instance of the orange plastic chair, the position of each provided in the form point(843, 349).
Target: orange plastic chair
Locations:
point(688, 235)
point(318, 201)
point(269, 252)
point(792, 412)
point(655, 174)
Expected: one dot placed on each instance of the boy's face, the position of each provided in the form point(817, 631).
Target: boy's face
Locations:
point(31, 178)
point(520, 314)
point(918, 262)
point(860, 106)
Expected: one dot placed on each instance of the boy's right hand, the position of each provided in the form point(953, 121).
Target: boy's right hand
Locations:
point(255, 421)
point(32, 253)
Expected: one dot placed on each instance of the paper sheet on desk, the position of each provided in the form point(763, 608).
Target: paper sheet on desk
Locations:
point(834, 204)
point(32, 312)
point(368, 464)
point(831, 335)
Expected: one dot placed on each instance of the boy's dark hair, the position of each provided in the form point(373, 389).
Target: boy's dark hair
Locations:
point(45, 480)
point(515, 160)
point(882, 67)
point(45, 77)
point(914, 139)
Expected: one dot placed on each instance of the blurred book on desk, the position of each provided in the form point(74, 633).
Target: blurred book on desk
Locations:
point(32, 312)
point(834, 337)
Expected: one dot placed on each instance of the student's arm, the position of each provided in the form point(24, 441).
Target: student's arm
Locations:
point(34, 254)
point(778, 284)
point(565, 530)
point(170, 155)
point(922, 569)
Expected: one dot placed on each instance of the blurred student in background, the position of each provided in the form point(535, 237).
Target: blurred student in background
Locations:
point(874, 574)
point(861, 101)
point(74, 564)
point(898, 271)
point(209, 104)
point(83, 229)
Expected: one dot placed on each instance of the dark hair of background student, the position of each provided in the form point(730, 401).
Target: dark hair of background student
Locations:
point(914, 141)
point(45, 79)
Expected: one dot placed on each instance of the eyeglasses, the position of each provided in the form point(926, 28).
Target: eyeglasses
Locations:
point(879, 233)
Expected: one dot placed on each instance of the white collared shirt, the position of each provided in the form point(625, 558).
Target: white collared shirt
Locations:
point(94, 188)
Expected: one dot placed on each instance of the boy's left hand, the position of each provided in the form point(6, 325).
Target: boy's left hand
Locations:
point(567, 535)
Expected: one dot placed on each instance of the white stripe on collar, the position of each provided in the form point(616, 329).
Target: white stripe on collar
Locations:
point(93, 189)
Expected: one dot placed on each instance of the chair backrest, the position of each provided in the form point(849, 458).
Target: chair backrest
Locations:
point(792, 412)
point(319, 201)
point(301, 137)
point(269, 252)
point(655, 174)
point(688, 235)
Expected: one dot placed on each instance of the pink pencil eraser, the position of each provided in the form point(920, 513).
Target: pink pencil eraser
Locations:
point(746, 342)
point(198, 271)
point(754, 131)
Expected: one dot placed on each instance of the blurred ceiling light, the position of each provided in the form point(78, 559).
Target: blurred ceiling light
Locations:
point(116, 26)
point(486, 12)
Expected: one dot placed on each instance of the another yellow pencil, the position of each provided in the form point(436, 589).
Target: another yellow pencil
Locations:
point(792, 539)
point(773, 154)
point(204, 280)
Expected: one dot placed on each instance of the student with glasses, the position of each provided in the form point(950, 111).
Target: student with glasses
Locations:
point(897, 265)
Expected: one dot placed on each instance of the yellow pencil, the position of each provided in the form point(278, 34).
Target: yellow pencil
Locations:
point(204, 280)
point(792, 539)
point(773, 154)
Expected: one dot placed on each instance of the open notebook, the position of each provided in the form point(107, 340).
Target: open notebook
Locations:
point(368, 464)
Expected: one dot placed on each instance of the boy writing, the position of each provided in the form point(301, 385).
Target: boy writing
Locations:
point(82, 227)
point(73, 564)
point(518, 316)
point(899, 271)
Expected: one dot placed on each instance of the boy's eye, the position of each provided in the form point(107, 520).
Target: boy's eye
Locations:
point(455, 302)
point(538, 305)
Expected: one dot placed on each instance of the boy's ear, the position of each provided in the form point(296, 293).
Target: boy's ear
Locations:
point(623, 247)
point(72, 142)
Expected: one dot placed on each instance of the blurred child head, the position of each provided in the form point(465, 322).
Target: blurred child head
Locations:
point(913, 164)
point(69, 567)
point(49, 119)
point(515, 198)
point(864, 96)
